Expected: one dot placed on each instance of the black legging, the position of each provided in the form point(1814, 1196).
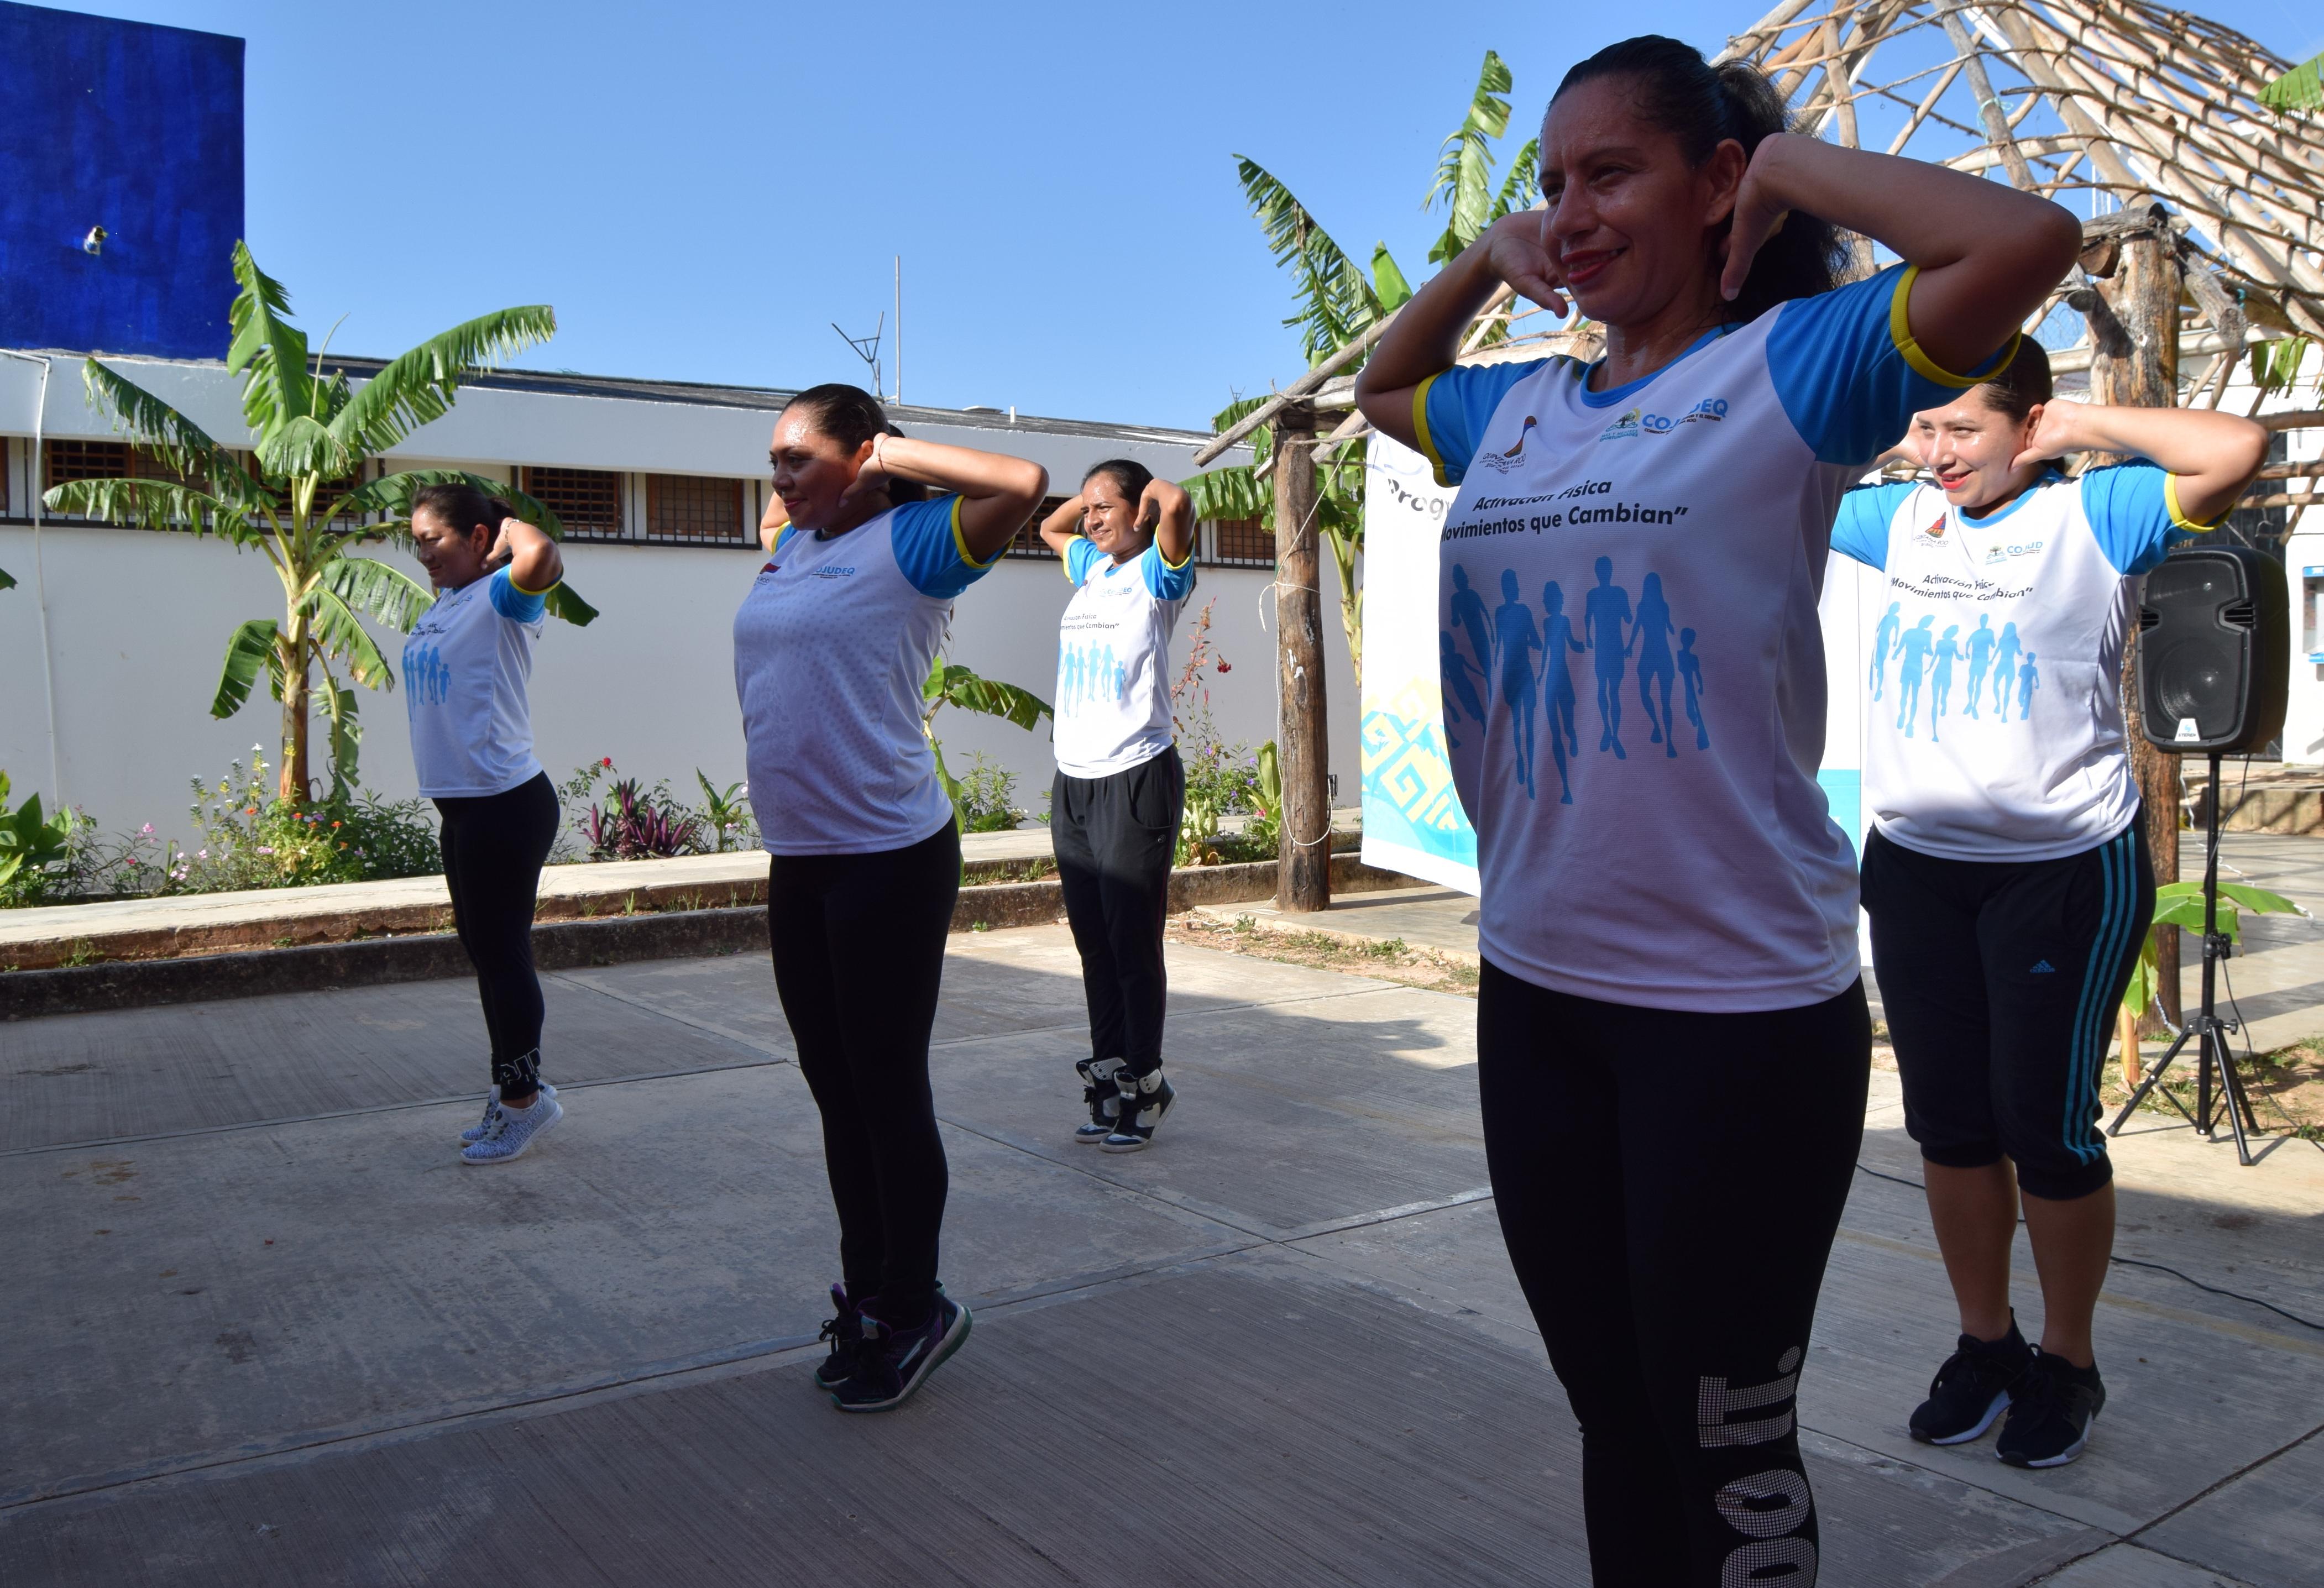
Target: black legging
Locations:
point(1114, 837)
point(1669, 1185)
point(859, 943)
point(495, 845)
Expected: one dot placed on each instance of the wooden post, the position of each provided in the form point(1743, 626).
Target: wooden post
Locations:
point(2134, 363)
point(1305, 858)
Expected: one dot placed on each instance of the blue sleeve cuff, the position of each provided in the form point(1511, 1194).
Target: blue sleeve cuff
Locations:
point(2134, 511)
point(519, 605)
point(1163, 581)
point(930, 550)
point(1866, 514)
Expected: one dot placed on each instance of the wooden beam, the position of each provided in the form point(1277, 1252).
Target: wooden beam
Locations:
point(1266, 411)
point(1303, 858)
point(1988, 107)
point(2133, 324)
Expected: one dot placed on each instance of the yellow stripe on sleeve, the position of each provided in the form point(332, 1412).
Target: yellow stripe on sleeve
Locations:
point(1900, 332)
point(1420, 429)
point(1164, 557)
point(1065, 561)
point(959, 541)
point(520, 590)
point(2180, 517)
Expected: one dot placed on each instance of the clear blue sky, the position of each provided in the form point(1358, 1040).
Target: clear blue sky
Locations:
point(701, 188)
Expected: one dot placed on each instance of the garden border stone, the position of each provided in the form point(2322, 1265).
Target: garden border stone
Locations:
point(567, 944)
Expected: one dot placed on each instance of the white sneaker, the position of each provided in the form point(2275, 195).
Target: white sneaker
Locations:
point(475, 1132)
point(512, 1129)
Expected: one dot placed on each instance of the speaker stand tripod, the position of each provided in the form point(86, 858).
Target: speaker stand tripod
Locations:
point(2206, 1028)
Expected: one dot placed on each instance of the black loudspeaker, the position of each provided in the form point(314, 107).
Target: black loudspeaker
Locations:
point(2214, 651)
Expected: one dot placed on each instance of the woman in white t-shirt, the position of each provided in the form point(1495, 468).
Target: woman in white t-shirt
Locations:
point(2007, 875)
point(831, 648)
point(466, 666)
point(1673, 1044)
point(1115, 807)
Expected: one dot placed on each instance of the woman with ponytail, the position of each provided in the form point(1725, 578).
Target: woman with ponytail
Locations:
point(1671, 1036)
point(466, 669)
point(831, 648)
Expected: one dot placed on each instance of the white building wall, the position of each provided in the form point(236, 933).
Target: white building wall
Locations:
point(138, 623)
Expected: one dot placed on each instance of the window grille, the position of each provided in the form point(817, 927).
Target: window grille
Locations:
point(1027, 541)
point(66, 461)
point(1242, 542)
point(694, 510)
point(588, 501)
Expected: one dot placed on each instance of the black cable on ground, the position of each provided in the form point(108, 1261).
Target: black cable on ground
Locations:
point(2132, 1262)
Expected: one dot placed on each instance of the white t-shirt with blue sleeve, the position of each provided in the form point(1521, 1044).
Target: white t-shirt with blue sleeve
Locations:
point(1997, 729)
point(467, 663)
point(1635, 574)
point(1113, 659)
point(832, 647)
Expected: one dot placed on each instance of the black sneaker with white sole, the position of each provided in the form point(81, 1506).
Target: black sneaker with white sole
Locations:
point(1144, 1100)
point(1103, 1097)
point(892, 1362)
point(1972, 1388)
point(844, 1330)
point(2049, 1418)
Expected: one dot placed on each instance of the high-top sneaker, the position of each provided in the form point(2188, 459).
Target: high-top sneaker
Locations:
point(1103, 1097)
point(893, 1361)
point(1144, 1100)
point(845, 1333)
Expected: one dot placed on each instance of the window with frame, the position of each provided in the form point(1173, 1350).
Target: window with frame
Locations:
point(695, 510)
point(588, 501)
point(1027, 541)
point(1242, 542)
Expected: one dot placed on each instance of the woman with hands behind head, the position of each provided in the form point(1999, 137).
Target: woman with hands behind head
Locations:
point(1686, 926)
point(2007, 874)
point(1115, 809)
point(831, 648)
point(467, 667)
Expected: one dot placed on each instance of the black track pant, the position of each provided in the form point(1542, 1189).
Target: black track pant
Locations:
point(495, 845)
point(1669, 1185)
point(1114, 837)
point(2000, 980)
point(859, 946)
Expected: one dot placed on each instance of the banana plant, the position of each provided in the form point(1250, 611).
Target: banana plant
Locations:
point(2181, 904)
point(314, 431)
point(1336, 300)
point(28, 839)
point(2300, 88)
point(950, 684)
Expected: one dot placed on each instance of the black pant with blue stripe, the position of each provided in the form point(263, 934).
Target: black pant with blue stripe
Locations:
point(2000, 981)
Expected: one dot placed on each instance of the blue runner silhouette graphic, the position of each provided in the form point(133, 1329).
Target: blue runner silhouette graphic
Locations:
point(1915, 644)
point(1459, 694)
point(1604, 611)
point(1652, 633)
point(1557, 682)
point(1980, 643)
point(1883, 639)
point(1947, 652)
point(2028, 680)
point(1469, 614)
point(2005, 667)
point(1515, 639)
point(1690, 673)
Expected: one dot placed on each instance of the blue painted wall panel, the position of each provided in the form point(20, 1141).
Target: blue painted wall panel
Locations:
point(135, 128)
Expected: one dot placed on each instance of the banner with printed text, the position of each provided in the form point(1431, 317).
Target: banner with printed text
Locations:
point(1413, 820)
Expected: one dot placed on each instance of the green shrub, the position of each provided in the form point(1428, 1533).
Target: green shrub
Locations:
point(986, 798)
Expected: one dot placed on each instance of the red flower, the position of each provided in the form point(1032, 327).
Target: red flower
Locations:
point(607, 761)
point(1225, 666)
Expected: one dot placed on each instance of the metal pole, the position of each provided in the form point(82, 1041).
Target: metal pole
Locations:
point(899, 330)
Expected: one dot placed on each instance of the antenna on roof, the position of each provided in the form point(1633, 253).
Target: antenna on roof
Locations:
point(867, 348)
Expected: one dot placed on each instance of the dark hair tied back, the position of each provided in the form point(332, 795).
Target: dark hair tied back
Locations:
point(463, 507)
point(2024, 384)
point(852, 416)
point(1128, 478)
point(1702, 105)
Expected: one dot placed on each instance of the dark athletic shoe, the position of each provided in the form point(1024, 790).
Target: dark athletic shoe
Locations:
point(1103, 1097)
point(892, 1362)
point(845, 1333)
point(1144, 1099)
point(2050, 1421)
point(1973, 1387)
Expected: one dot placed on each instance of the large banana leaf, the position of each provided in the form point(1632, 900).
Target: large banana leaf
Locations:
point(2180, 905)
point(961, 687)
point(1230, 494)
point(153, 505)
point(1464, 169)
point(346, 732)
point(252, 649)
point(301, 446)
point(334, 628)
point(565, 602)
point(379, 590)
point(1336, 302)
point(274, 350)
point(1387, 280)
point(2300, 88)
point(162, 432)
point(419, 385)
point(1521, 189)
point(7, 580)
